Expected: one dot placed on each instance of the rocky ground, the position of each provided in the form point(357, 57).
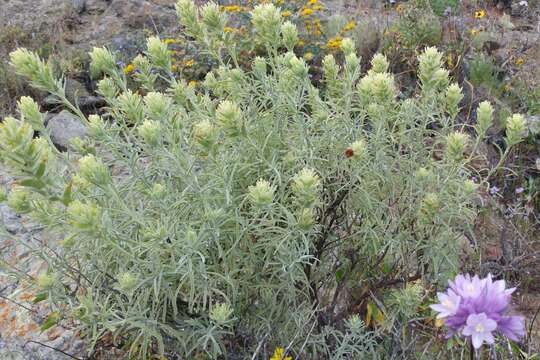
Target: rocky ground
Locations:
point(22, 333)
point(72, 27)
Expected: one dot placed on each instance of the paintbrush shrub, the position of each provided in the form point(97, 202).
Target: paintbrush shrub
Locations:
point(254, 212)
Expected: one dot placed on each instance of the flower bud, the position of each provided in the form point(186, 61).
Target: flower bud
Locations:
point(83, 216)
point(484, 117)
point(158, 191)
point(204, 132)
point(305, 219)
point(188, 15)
point(158, 53)
point(266, 19)
point(157, 105)
point(45, 281)
point(210, 81)
point(101, 61)
point(430, 71)
point(298, 67)
point(352, 63)
point(127, 282)
point(377, 88)
point(348, 47)
point(229, 117)
point(422, 174)
point(19, 200)
point(357, 150)
point(516, 129)
point(213, 18)
point(31, 66)
point(96, 126)
point(93, 170)
point(131, 106)
point(470, 187)
point(452, 99)
point(355, 323)
point(330, 68)
point(107, 88)
point(306, 186)
point(430, 205)
point(262, 194)
point(379, 64)
point(259, 66)
point(221, 313)
point(150, 132)
point(455, 145)
point(29, 110)
point(289, 34)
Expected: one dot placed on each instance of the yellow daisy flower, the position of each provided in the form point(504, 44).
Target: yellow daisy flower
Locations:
point(286, 13)
point(129, 68)
point(188, 63)
point(479, 14)
point(334, 43)
point(278, 354)
point(308, 56)
point(350, 26)
point(519, 61)
point(306, 12)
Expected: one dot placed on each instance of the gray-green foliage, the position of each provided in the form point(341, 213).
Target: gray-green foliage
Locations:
point(236, 218)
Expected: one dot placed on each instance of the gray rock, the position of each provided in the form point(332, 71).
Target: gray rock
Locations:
point(533, 123)
point(10, 220)
point(79, 5)
point(64, 127)
point(74, 92)
point(519, 8)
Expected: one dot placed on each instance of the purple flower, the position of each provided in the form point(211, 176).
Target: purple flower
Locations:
point(479, 328)
point(513, 327)
point(448, 306)
point(494, 190)
point(477, 307)
point(519, 190)
point(466, 287)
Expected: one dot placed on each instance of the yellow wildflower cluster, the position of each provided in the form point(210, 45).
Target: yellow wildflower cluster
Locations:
point(310, 7)
point(313, 27)
point(519, 61)
point(233, 8)
point(334, 43)
point(278, 354)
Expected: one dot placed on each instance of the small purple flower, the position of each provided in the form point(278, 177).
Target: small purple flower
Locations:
point(479, 327)
point(477, 307)
point(494, 190)
point(467, 287)
point(519, 190)
point(448, 306)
